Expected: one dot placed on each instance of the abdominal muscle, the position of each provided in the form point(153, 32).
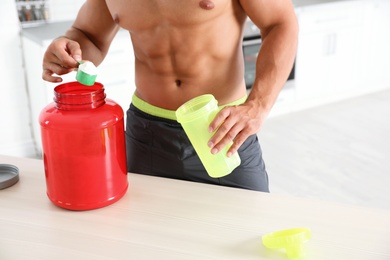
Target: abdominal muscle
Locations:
point(176, 61)
point(169, 90)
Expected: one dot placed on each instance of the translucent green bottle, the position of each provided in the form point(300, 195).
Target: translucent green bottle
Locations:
point(195, 117)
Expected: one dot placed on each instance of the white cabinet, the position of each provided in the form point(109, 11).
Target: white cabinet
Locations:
point(329, 50)
point(116, 73)
point(63, 10)
point(376, 52)
point(343, 51)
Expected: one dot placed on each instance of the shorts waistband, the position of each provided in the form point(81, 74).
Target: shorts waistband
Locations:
point(170, 114)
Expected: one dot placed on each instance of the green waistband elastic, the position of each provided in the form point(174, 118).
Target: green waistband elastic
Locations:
point(170, 114)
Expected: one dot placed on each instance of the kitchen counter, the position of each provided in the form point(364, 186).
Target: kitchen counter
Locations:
point(47, 31)
point(162, 218)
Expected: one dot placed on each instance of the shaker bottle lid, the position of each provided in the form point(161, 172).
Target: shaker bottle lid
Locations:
point(290, 239)
point(9, 175)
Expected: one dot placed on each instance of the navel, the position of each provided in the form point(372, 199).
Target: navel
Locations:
point(206, 4)
point(178, 82)
point(116, 18)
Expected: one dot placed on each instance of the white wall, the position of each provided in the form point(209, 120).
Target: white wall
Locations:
point(15, 119)
point(64, 10)
point(15, 132)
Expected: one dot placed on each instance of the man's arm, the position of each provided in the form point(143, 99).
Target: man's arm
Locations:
point(89, 38)
point(279, 31)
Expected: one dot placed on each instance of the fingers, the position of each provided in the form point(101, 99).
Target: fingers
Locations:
point(229, 128)
point(64, 52)
point(60, 58)
point(237, 142)
point(224, 134)
point(234, 125)
point(48, 76)
point(53, 65)
point(47, 73)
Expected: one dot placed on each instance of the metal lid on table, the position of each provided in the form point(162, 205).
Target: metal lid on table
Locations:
point(9, 175)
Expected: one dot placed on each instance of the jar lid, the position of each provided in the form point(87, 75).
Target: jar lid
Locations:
point(9, 175)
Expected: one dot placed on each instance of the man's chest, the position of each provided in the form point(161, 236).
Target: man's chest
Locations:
point(141, 14)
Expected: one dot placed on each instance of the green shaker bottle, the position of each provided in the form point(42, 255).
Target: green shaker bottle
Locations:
point(195, 117)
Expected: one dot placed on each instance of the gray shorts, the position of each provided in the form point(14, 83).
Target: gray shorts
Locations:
point(159, 147)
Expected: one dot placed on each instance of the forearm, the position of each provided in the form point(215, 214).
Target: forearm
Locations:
point(274, 64)
point(90, 50)
point(93, 30)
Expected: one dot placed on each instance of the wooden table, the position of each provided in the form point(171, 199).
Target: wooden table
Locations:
point(169, 219)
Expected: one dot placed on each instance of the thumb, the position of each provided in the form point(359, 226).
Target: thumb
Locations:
point(74, 50)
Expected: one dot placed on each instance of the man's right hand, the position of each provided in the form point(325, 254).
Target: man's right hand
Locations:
point(61, 57)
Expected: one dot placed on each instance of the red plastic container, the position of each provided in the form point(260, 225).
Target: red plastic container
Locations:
point(83, 145)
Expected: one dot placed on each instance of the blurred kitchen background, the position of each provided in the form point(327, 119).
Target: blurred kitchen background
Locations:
point(328, 134)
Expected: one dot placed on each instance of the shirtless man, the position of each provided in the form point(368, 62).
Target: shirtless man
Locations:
point(183, 49)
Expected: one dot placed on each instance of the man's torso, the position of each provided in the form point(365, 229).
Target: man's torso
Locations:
point(184, 48)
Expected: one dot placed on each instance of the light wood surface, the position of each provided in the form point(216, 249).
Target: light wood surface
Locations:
point(169, 219)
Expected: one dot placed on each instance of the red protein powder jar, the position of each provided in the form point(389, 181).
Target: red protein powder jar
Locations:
point(84, 149)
